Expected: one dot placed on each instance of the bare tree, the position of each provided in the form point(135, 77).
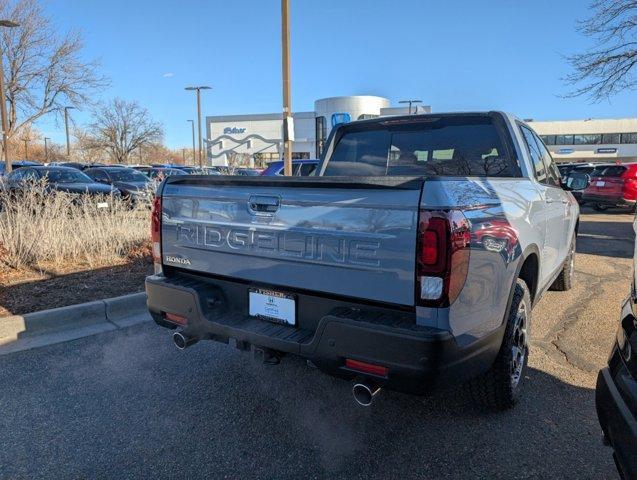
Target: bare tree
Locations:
point(120, 127)
point(44, 71)
point(607, 68)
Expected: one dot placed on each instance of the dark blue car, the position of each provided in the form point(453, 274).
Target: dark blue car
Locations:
point(300, 168)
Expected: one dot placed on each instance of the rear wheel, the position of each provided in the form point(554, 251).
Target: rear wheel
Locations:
point(600, 207)
point(499, 388)
point(564, 281)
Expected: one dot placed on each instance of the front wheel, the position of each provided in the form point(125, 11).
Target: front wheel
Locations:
point(600, 207)
point(499, 388)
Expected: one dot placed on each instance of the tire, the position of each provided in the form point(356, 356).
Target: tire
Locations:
point(500, 387)
point(600, 207)
point(564, 280)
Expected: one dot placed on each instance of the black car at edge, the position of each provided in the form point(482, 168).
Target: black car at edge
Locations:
point(616, 392)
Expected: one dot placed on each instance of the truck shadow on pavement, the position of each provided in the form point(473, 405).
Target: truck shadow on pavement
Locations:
point(607, 237)
point(127, 404)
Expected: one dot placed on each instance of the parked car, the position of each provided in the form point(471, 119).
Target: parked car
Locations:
point(616, 392)
point(300, 168)
point(133, 185)
point(78, 165)
point(159, 173)
point(380, 270)
point(199, 171)
point(17, 164)
point(247, 172)
point(61, 179)
point(612, 186)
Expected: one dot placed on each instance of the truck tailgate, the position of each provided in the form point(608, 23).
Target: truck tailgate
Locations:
point(334, 235)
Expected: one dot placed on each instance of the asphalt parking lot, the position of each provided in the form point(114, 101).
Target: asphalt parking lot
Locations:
point(128, 404)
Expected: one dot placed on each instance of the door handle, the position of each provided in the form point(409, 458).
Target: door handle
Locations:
point(263, 204)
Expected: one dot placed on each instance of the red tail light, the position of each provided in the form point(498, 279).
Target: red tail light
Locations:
point(444, 239)
point(365, 367)
point(155, 233)
point(174, 318)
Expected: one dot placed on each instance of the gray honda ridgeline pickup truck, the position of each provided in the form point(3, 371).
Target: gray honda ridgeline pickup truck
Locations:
point(413, 258)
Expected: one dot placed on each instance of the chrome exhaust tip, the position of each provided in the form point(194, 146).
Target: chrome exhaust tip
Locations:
point(364, 393)
point(182, 341)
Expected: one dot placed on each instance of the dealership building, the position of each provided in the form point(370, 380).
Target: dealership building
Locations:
point(258, 137)
point(591, 140)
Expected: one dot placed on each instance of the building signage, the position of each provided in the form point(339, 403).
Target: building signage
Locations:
point(607, 150)
point(565, 151)
point(233, 130)
point(338, 118)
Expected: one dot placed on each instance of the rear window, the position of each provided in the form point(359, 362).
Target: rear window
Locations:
point(454, 145)
point(606, 171)
point(614, 171)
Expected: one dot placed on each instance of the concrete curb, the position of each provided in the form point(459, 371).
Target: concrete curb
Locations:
point(22, 332)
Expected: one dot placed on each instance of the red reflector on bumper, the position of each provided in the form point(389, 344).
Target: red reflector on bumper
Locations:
point(365, 367)
point(172, 317)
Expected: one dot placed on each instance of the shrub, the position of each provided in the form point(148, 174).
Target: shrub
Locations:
point(41, 227)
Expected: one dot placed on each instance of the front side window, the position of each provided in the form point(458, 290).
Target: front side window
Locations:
point(458, 145)
point(552, 172)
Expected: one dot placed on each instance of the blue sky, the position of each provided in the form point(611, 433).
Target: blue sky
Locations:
point(454, 55)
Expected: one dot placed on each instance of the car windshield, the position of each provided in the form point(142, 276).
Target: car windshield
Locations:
point(459, 145)
point(127, 175)
point(65, 175)
point(165, 172)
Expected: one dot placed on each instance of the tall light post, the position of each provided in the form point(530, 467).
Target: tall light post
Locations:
point(198, 89)
point(46, 149)
point(66, 127)
point(288, 127)
point(26, 148)
point(3, 103)
point(192, 123)
point(410, 102)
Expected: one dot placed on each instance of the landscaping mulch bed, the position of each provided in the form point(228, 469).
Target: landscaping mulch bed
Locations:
point(28, 291)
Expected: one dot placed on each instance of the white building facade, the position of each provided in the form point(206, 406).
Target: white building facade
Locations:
point(592, 140)
point(257, 138)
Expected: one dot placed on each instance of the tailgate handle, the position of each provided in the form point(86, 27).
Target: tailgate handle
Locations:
point(263, 204)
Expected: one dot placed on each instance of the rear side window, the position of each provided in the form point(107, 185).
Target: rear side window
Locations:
point(616, 171)
point(463, 145)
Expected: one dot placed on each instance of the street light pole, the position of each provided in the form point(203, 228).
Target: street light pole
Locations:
point(192, 124)
point(3, 104)
point(410, 102)
point(287, 100)
point(66, 126)
point(46, 149)
point(26, 148)
point(198, 89)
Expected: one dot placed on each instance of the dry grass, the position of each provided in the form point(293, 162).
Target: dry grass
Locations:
point(42, 229)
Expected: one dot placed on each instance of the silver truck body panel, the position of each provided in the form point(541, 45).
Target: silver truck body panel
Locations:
point(359, 243)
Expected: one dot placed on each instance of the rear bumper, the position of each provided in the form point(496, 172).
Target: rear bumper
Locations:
point(328, 331)
point(618, 423)
point(607, 200)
